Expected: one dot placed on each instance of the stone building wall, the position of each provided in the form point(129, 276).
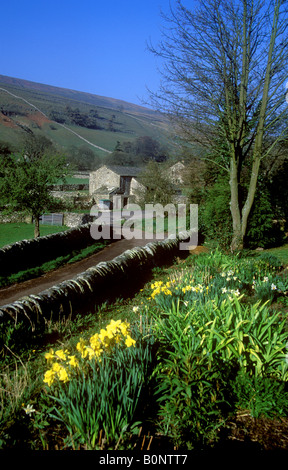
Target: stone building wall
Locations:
point(104, 177)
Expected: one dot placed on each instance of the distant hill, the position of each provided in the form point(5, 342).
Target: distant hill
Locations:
point(73, 119)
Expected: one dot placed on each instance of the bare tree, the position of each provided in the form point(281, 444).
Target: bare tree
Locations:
point(224, 68)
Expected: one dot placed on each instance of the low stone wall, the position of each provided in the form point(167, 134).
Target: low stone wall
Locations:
point(69, 187)
point(74, 199)
point(15, 218)
point(72, 219)
point(35, 251)
point(98, 284)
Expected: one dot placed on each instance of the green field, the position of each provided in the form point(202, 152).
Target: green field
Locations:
point(11, 233)
point(281, 252)
point(73, 180)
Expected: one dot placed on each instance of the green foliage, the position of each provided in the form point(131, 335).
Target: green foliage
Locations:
point(214, 214)
point(281, 253)
point(157, 189)
point(83, 158)
point(201, 355)
point(216, 276)
point(137, 152)
point(261, 396)
point(192, 382)
point(75, 116)
point(261, 230)
point(216, 222)
point(278, 188)
point(31, 273)
point(202, 347)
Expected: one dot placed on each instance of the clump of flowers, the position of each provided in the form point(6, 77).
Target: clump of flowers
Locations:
point(160, 288)
point(63, 365)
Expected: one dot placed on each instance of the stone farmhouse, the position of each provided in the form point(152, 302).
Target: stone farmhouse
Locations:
point(113, 180)
point(109, 181)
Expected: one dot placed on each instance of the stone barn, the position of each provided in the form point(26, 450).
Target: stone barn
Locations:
point(109, 181)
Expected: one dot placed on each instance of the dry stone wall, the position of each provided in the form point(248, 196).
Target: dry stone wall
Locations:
point(94, 286)
point(36, 251)
point(69, 187)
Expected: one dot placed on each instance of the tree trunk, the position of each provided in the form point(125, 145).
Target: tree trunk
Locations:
point(36, 227)
point(237, 238)
point(240, 218)
point(251, 194)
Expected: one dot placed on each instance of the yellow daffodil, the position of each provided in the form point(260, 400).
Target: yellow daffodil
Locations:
point(62, 374)
point(49, 377)
point(73, 361)
point(56, 367)
point(50, 356)
point(130, 341)
point(61, 354)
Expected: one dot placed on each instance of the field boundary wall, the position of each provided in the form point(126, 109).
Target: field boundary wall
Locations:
point(100, 283)
point(33, 252)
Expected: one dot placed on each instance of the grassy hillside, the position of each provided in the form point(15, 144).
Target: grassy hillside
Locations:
point(72, 119)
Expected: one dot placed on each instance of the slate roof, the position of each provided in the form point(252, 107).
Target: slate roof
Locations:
point(125, 170)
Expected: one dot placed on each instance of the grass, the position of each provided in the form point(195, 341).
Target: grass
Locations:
point(73, 180)
point(15, 232)
point(281, 253)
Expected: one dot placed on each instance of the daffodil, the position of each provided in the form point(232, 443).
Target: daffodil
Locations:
point(62, 374)
point(73, 361)
point(130, 341)
point(49, 377)
point(50, 356)
point(61, 354)
point(81, 347)
point(56, 367)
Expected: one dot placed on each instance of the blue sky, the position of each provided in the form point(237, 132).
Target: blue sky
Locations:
point(97, 46)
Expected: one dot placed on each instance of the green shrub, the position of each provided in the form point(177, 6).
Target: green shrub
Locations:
point(261, 396)
point(215, 216)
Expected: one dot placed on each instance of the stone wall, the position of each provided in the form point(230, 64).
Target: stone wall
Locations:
point(73, 219)
point(15, 218)
point(101, 283)
point(35, 251)
point(72, 198)
point(69, 187)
